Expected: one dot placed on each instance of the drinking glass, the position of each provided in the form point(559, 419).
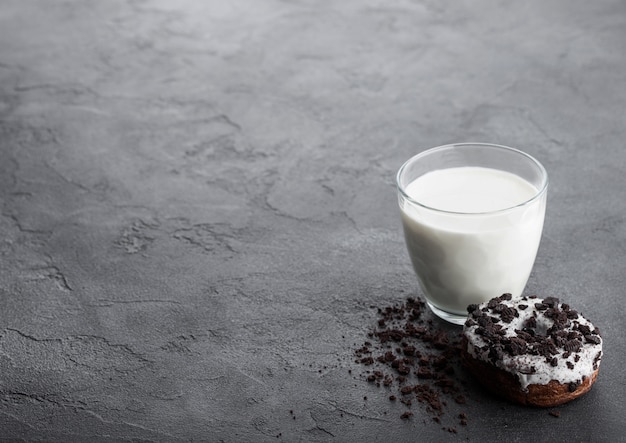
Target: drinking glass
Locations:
point(468, 248)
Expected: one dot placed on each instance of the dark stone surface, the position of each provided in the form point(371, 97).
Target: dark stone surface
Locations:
point(198, 208)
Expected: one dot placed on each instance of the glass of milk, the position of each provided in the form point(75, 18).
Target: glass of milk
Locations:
point(472, 215)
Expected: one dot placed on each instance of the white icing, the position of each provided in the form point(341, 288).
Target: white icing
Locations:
point(544, 371)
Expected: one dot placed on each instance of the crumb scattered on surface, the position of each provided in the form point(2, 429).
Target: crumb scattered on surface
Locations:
point(415, 359)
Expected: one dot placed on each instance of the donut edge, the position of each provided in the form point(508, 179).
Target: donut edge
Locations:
point(505, 384)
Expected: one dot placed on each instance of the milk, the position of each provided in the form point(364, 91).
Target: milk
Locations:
point(472, 235)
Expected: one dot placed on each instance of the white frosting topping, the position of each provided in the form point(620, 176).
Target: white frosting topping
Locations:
point(568, 352)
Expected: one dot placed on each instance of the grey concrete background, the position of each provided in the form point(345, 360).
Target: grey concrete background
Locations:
point(198, 208)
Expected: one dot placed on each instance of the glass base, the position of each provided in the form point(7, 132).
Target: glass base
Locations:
point(447, 316)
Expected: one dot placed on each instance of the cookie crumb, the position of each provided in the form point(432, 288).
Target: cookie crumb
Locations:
point(415, 358)
point(406, 415)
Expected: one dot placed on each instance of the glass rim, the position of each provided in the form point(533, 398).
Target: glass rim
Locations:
point(540, 191)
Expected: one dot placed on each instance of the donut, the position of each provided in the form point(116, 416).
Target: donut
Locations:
point(531, 351)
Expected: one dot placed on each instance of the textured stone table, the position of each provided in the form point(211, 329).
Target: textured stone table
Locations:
point(198, 212)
